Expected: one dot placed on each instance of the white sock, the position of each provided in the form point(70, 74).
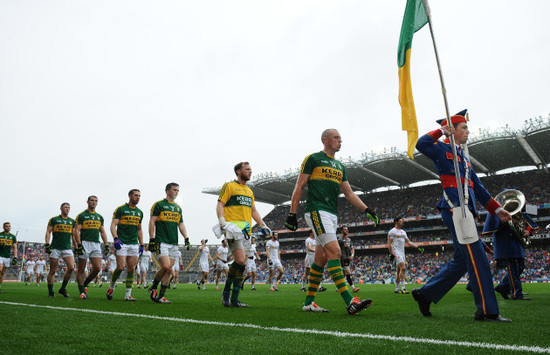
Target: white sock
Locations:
point(397, 286)
point(128, 292)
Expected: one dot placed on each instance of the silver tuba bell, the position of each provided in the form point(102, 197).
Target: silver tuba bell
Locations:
point(513, 202)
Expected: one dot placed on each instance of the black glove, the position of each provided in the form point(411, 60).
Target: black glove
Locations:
point(48, 248)
point(291, 222)
point(392, 257)
point(269, 262)
point(188, 244)
point(14, 261)
point(372, 216)
point(106, 249)
point(79, 250)
point(153, 246)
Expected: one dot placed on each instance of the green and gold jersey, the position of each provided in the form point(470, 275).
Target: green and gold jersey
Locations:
point(323, 186)
point(62, 232)
point(7, 240)
point(238, 200)
point(168, 218)
point(129, 220)
point(90, 223)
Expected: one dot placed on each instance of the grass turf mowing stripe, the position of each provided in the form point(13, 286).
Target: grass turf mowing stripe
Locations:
point(534, 349)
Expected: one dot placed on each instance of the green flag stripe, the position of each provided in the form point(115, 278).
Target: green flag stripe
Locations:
point(414, 19)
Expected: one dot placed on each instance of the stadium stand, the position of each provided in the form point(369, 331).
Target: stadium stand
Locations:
point(397, 186)
point(395, 174)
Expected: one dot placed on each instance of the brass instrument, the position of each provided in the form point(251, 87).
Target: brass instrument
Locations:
point(513, 202)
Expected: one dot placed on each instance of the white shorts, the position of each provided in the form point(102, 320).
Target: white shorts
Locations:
point(275, 265)
point(176, 266)
point(40, 271)
point(250, 265)
point(204, 267)
point(112, 267)
point(137, 270)
point(323, 224)
point(144, 266)
point(168, 249)
point(30, 272)
point(91, 250)
point(399, 258)
point(58, 253)
point(5, 261)
point(220, 265)
point(309, 259)
point(128, 250)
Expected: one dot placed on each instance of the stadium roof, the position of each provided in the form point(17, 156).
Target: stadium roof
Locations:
point(491, 151)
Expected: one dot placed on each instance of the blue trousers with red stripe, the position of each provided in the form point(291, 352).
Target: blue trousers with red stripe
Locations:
point(470, 258)
point(511, 282)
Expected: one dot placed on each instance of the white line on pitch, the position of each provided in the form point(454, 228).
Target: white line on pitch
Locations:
point(535, 349)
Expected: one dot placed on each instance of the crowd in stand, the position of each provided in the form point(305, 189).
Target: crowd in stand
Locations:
point(421, 201)
point(420, 267)
point(373, 268)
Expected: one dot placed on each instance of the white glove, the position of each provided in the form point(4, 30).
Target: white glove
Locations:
point(222, 223)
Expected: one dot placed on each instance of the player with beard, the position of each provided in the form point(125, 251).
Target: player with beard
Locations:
point(128, 242)
point(60, 229)
point(235, 210)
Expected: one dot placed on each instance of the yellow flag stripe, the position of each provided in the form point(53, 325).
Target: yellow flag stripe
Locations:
point(408, 113)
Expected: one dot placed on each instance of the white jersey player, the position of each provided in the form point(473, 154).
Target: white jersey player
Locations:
point(205, 258)
point(252, 255)
point(29, 269)
point(221, 261)
point(112, 264)
point(40, 269)
point(310, 254)
point(274, 260)
point(176, 269)
point(144, 262)
point(397, 238)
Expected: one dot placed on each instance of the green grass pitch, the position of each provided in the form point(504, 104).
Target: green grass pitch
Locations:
point(28, 330)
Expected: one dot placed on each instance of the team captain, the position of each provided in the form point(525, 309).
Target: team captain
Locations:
point(325, 178)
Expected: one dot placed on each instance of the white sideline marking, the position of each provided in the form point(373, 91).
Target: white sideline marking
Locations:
point(535, 349)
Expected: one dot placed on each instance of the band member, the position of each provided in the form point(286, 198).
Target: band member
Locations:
point(509, 251)
point(469, 253)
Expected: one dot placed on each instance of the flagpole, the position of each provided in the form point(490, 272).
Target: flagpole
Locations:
point(449, 123)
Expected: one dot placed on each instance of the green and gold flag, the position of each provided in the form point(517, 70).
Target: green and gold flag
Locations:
point(414, 19)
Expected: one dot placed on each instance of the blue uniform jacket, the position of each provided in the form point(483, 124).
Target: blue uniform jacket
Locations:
point(441, 154)
point(505, 244)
